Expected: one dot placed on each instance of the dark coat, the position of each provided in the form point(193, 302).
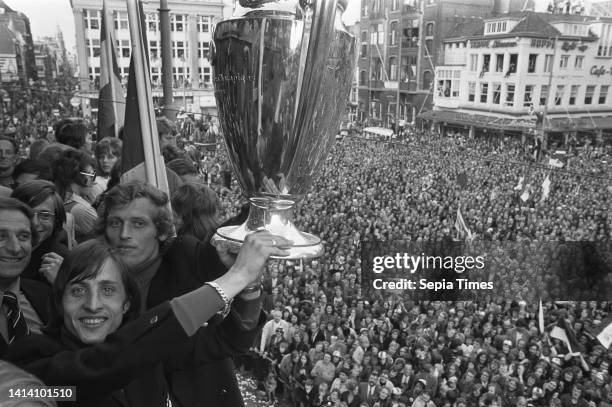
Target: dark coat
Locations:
point(186, 265)
point(38, 294)
point(129, 368)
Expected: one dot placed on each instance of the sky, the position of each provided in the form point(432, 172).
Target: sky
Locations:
point(46, 15)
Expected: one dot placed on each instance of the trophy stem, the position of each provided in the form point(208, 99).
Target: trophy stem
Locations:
point(276, 216)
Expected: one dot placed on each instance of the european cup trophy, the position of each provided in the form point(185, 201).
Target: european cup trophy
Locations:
point(282, 73)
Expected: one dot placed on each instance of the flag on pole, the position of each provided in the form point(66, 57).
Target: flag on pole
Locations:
point(111, 103)
point(541, 317)
point(564, 332)
point(141, 159)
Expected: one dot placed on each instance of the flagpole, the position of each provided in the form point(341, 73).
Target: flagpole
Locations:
point(153, 164)
point(109, 67)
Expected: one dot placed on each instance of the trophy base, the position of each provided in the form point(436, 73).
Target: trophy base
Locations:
point(273, 215)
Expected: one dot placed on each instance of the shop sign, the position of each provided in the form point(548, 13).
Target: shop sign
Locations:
point(600, 70)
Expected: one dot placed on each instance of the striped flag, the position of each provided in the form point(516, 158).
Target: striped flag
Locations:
point(111, 103)
point(141, 159)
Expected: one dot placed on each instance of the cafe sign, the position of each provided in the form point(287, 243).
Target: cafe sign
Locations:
point(600, 70)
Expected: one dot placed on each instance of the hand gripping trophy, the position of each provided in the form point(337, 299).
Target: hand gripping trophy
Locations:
point(282, 73)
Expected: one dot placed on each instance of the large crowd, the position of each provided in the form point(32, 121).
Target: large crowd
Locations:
point(327, 340)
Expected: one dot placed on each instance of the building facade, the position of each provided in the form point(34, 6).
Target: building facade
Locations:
point(191, 27)
point(17, 61)
point(389, 42)
point(400, 44)
point(506, 72)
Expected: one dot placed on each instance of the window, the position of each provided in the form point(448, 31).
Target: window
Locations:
point(204, 49)
point(154, 49)
point(510, 87)
point(444, 88)
point(394, 5)
point(473, 62)
point(364, 44)
point(484, 92)
point(496, 93)
point(93, 48)
point(513, 64)
point(377, 34)
point(393, 33)
point(94, 73)
point(393, 69)
point(527, 100)
point(204, 75)
point(429, 29)
point(178, 49)
point(603, 94)
point(543, 95)
point(499, 63)
point(563, 61)
point(471, 91)
point(155, 75)
point(364, 9)
point(578, 63)
point(548, 59)
point(152, 21)
point(559, 94)
point(408, 68)
point(588, 95)
point(124, 48)
point(531, 63)
point(92, 19)
point(427, 80)
point(180, 75)
point(204, 23)
point(486, 60)
point(573, 93)
point(455, 89)
point(177, 22)
point(363, 75)
point(121, 20)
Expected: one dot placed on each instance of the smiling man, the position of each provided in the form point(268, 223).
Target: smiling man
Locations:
point(137, 223)
point(23, 306)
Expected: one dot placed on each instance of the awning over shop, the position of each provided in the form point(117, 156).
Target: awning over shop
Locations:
point(479, 120)
point(504, 123)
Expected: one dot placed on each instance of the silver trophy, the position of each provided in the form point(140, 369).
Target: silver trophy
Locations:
point(282, 72)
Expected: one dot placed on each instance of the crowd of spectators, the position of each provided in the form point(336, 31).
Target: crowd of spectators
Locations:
point(329, 343)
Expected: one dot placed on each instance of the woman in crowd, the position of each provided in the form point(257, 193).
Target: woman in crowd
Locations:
point(49, 219)
point(196, 211)
point(97, 343)
point(74, 175)
point(108, 153)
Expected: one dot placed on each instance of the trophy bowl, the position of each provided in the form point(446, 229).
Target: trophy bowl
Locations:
point(282, 73)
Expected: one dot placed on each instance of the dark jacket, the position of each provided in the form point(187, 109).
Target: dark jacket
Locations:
point(129, 368)
point(186, 265)
point(38, 294)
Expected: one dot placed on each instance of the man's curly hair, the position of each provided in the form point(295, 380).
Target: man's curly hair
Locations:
point(123, 194)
